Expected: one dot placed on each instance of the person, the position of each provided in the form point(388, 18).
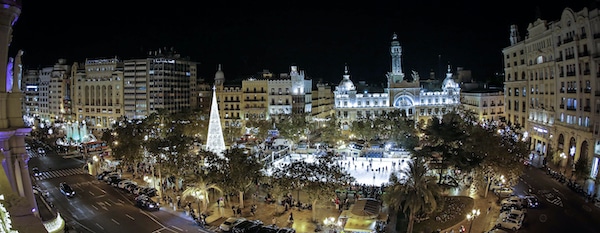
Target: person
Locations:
point(291, 218)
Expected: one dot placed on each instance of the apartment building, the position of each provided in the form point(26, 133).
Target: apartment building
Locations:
point(552, 84)
point(322, 102)
point(31, 94)
point(98, 92)
point(486, 104)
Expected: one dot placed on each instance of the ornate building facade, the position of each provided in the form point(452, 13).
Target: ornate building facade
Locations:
point(552, 88)
point(406, 95)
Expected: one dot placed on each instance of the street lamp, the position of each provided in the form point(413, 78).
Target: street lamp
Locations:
point(471, 217)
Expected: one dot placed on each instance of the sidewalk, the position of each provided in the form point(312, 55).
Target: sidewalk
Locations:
point(488, 207)
point(267, 213)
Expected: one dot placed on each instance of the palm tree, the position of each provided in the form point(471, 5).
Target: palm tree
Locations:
point(414, 193)
point(200, 192)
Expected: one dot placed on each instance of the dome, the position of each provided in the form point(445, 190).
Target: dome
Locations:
point(219, 75)
point(346, 84)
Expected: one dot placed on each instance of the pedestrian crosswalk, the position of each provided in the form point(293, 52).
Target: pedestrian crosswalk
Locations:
point(59, 173)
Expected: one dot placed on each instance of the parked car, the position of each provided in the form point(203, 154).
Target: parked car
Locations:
point(145, 202)
point(123, 183)
point(148, 191)
point(66, 189)
point(112, 174)
point(38, 190)
point(113, 180)
point(229, 223)
point(509, 223)
point(514, 214)
point(503, 192)
point(131, 187)
point(268, 229)
point(513, 201)
point(101, 175)
point(286, 230)
point(246, 226)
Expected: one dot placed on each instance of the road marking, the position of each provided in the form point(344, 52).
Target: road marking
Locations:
point(95, 207)
point(129, 216)
point(115, 221)
point(177, 228)
point(156, 221)
point(99, 226)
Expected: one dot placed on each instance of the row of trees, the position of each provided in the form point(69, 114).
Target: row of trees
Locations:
point(170, 143)
point(455, 141)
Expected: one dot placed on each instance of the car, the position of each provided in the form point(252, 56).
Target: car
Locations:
point(229, 223)
point(123, 183)
point(66, 189)
point(131, 187)
point(512, 201)
point(531, 201)
point(35, 171)
point(246, 226)
point(149, 191)
point(145, 202)
point(496, 230)
point(112, 174)
point(514, 214)
point(101, 175)
point(286, 230)
point(504, 192)
point(113, 180)
point(268, 229)
point(509, 223)
point(41, 151)
point(38, 190)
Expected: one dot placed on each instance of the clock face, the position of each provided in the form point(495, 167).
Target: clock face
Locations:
point(118, 87)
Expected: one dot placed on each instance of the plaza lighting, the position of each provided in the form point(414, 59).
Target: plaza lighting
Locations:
point(471, 217)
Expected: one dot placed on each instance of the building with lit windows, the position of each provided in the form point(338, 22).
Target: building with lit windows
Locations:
point(163, 80)
point(98, 92)
point(552, 86)
point(486, 104)
point(31, 91)
point(352, 102)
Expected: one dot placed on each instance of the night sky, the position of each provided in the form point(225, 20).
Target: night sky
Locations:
point(317, 36)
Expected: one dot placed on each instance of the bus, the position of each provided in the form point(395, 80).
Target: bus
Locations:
point(95, 147)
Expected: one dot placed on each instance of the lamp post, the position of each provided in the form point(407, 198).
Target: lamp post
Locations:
point(471, 217)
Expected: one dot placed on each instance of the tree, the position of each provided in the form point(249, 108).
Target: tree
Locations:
point(126, 141)
point(318, 179)
point(199, 190)
point(582, 169)
point(236, 170)
point(413, 193)
point(501, 156)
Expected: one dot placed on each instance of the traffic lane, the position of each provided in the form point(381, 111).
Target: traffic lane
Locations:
point(561, 209)
point(98, 207)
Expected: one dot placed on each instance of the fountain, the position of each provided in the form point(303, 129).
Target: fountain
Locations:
point(76, 133)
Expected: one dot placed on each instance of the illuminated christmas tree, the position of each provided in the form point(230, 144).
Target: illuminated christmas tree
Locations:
point(215, 141)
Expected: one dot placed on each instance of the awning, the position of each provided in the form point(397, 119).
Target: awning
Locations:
point(360, 225)
point(366, 208)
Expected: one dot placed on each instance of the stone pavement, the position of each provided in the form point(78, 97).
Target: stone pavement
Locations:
point(303, 218)
point(486, 219)
point(267, 213)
